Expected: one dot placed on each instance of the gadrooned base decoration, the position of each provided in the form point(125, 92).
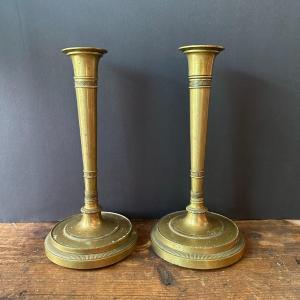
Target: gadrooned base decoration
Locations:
point(103, 245)
point(217, 244)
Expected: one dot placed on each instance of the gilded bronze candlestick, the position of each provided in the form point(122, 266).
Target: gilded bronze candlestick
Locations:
point(196, 238)
point(93, 238)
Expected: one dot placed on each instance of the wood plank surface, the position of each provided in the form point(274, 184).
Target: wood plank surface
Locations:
point(269, 270)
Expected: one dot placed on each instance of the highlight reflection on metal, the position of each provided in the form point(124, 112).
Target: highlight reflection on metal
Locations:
point(196, 238)
point(93, 238)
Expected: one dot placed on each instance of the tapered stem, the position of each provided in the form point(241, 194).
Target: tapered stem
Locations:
point(86, 93)
point(85, 65)
point(200, 66)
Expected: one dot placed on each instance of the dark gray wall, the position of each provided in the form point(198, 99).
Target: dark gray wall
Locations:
point(253, 161)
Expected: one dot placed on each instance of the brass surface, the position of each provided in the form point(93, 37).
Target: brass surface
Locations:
point(93, 238)
point(196, 238)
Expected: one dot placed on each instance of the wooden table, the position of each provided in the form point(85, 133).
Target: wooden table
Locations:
point(269, 270)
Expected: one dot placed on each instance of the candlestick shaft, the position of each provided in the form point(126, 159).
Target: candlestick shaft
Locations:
point(85, 79)
point(85, 66)
point(200, 66)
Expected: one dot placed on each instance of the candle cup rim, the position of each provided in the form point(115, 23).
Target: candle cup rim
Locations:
point(201, 48)
point(86, 50)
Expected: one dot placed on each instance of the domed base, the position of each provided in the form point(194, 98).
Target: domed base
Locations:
point(213, 244)
point(72, 246)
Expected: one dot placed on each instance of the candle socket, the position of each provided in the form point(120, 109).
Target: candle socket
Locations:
point(94, 238)
point(196, 238)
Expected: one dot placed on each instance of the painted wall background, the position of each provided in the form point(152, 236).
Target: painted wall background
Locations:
point(252, 163)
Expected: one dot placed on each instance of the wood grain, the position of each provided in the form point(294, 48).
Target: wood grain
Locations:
point(269, 270)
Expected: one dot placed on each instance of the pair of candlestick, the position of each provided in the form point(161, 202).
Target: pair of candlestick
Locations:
point(192, 238)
